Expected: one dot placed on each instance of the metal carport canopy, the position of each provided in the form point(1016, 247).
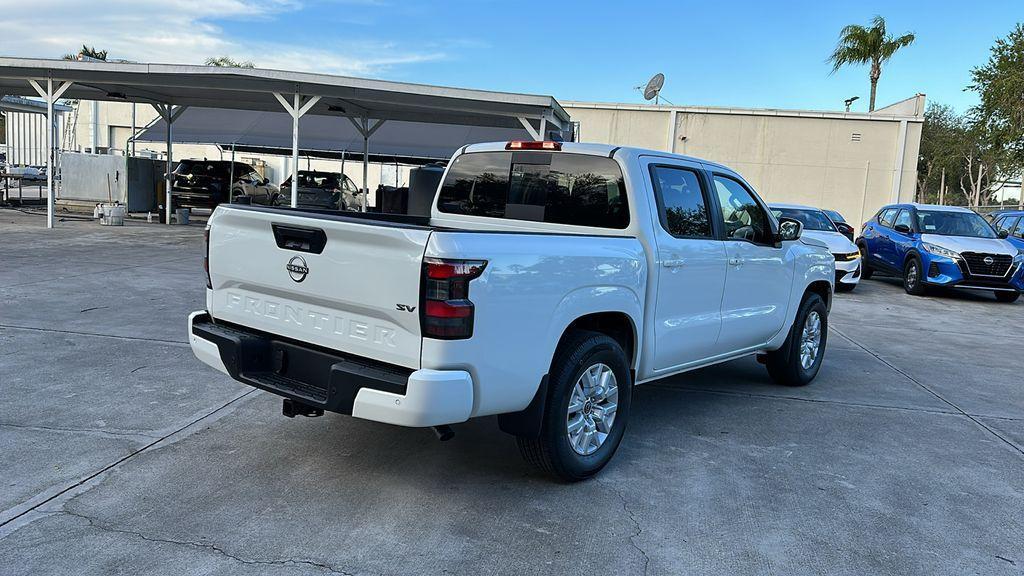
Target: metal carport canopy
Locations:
point(171, 88)
point(272, 130)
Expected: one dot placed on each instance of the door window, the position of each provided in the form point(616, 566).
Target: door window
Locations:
point(905, 219)
point(681, 202)
point(744, 217)
point(886, 217)
point(1008, 223)
point(1018, 230)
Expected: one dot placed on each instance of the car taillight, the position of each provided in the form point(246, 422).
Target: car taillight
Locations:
point(447, 312)
point(206, 257)
point(531, 145)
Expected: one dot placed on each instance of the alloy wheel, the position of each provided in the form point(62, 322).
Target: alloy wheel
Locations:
point(810, 340)
point(592, 408)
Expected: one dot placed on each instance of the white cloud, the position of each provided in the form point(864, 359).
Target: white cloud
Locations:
point(182, 31)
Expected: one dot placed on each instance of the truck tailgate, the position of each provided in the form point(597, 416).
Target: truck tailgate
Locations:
point(344, 284)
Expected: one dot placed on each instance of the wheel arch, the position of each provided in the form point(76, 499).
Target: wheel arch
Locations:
point(616, 324)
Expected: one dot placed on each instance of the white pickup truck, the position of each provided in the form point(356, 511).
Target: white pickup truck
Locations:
point(549, 280)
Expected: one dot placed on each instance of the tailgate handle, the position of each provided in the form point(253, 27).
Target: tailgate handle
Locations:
point(299, 238)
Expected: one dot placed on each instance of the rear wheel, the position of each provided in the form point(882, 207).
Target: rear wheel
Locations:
point(1007, 297)
point(589, 392)
point(913, 280)
point(799, 359)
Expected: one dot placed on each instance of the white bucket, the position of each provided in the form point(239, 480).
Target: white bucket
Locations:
point(112, 214)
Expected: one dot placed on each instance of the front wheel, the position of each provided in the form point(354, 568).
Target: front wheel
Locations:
point(913, 281)
point(588, 400)
point(865, 271)
point(1007, 297)
point(799, 359)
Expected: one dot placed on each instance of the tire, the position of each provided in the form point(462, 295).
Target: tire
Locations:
point(840, 287)
point(865, 271)
point(913, 277)
point(786, 365)
point(581, 353)
point(1007, 297)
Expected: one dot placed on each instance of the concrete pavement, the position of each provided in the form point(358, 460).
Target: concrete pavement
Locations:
point(120, 454)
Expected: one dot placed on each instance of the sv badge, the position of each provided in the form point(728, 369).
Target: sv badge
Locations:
point(405, 308)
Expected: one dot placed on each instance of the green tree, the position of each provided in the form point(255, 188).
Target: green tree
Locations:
point(228, 62)
point(867, 45)
point(1000, 87)
point(940, 160)
point(88, 52)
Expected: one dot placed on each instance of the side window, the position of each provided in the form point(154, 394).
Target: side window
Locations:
point(1017, 230)
point(743, 216)
point(681, 203)
point(886, 217)
point(905, 219)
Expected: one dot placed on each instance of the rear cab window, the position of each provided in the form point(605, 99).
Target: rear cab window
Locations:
point(552, 187)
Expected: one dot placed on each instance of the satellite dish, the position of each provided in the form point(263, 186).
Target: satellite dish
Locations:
point(654, 86)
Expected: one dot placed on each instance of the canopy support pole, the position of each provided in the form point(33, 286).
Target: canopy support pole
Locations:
point(364, 128)
point(169, 113)
point(297, 109)
point(50, 95)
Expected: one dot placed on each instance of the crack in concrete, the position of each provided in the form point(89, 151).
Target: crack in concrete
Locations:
point(79, 333)
point(632, 518)
point(171, 433)
point(97, 431)
point(288, 562)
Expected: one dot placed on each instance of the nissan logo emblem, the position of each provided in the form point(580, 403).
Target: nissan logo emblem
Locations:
point(297, 268)
point(989, 260)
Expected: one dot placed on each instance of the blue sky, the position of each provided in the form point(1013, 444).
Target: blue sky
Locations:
point(749, 54)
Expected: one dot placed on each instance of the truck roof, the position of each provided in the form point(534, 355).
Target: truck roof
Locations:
point(595, 149)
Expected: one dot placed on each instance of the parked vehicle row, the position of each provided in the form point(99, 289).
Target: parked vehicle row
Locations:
point(209, 183)
point(548, 280)
point(944, 246)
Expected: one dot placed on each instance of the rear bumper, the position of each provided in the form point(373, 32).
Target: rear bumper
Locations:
point(330, 380)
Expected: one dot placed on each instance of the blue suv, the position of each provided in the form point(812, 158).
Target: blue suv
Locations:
point(950, 246)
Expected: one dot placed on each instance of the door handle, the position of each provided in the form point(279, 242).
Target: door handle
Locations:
point(737, 262)
point(676, 263)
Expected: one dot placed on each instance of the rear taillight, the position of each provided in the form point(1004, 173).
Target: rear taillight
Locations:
point(206, 257)
point(533, 145)
point(447, 312)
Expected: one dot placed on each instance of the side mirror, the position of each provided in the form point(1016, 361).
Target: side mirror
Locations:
point(1004, 234)
point(902, 229)
point(790, 229)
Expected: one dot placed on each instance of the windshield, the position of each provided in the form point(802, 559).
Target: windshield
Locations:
point(212, 169)
point(811, 219)
point(954, 224)
point(318, 180)
point(835, 216)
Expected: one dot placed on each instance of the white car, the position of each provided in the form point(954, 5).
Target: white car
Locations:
point(819, 226)
point(548, 280)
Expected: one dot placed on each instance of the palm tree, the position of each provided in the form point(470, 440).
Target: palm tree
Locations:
point(89, 52)
point(864, 45)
